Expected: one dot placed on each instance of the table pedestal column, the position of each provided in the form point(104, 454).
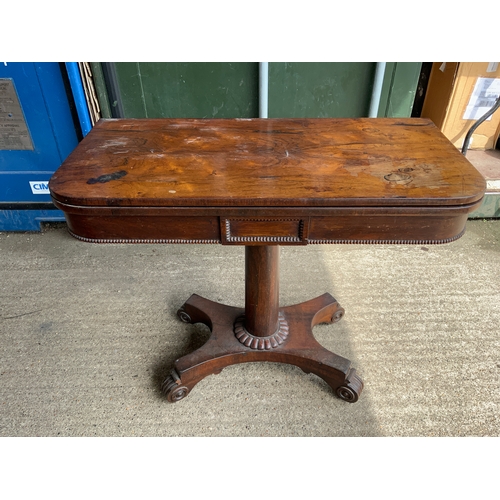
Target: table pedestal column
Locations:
point(262, 290)
point(262, 332)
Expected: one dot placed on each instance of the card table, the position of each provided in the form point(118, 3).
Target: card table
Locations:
point(264, 183)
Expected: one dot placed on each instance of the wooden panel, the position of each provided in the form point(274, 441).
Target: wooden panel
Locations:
point(263, 163)
point(396, 228)
point(251, 231)
point(144, 229)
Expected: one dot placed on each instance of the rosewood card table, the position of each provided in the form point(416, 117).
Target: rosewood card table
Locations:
point(263, 183)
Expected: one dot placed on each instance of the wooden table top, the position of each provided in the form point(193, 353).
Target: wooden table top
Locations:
point(266, 163)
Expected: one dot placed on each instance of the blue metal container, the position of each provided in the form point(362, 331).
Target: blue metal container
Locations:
point(38, 130)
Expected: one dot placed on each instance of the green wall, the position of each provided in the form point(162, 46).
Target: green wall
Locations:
point(188, 90)
point(320, 90)
point(231, 90)
point(398, 91)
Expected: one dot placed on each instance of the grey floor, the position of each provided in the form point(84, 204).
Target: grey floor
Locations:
point(88, 332)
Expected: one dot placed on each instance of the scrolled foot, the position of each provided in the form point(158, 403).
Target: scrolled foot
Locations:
point(184, 316)
point(338, 315)
point(351, 390)
point(173, 388)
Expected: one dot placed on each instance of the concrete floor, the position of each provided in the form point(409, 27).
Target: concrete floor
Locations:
point(88, 332)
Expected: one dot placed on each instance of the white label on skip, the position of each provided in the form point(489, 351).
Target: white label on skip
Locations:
point(39, 187)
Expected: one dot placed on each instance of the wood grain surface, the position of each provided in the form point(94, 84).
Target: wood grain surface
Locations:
point(266, 162)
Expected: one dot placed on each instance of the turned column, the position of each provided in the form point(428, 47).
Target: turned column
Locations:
point(262, 290)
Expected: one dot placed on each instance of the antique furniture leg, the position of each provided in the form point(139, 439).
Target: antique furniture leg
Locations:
point(262, 332)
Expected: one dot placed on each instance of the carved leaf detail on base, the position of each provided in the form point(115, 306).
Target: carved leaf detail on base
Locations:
point(261, 343)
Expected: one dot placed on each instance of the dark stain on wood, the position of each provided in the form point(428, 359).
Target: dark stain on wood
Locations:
point(107, 177)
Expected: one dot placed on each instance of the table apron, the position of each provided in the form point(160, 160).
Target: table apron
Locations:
point(266, 226)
